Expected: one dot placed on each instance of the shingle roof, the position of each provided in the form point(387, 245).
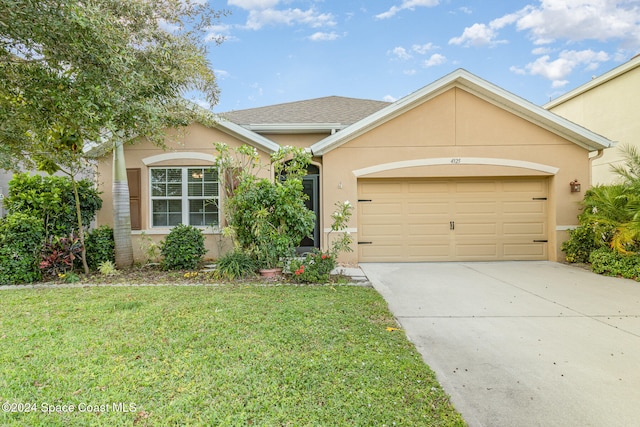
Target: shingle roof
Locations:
point(330, 109)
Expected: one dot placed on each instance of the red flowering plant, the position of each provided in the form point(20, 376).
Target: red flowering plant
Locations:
point(316, 266)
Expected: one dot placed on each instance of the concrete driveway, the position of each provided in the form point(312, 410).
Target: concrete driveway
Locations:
point(523, 343)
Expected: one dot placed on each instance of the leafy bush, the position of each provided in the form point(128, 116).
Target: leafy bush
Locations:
point(612, 263)
point(21, 238)
point(59, 254)
point(269, 218)
point(316, 265)
point(582, 241)
point(314, 268)
point(236, 264)
point(100, 246)
point(51, 199)
point(183, 248)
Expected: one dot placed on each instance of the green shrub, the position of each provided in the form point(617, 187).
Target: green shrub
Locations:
point(582, 241)
point(51, 199)
point(21, 238)
point(100, 246)
point(236, 264)
point(183, 248)
point(314, 268)
point(269, 218)
point(612, 263)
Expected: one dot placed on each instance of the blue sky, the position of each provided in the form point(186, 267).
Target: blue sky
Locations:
point(279, 51)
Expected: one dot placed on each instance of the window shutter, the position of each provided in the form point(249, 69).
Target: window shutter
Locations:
point(135, 186)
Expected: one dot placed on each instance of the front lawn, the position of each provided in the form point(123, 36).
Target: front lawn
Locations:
point(211, 355)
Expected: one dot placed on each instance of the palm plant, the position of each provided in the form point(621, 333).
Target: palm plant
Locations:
point(613, 211)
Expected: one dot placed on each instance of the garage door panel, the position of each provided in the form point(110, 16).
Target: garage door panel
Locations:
point(427, 208)
point(437, 187)
point(476, 207)
point(381, 209)
point(380, 188)
point(479, 250)
point(381, 231)
point(493, 219)
point(526, 251)
point(475, 187)
point(428, 230)
point(486, 229)
point(533, 229)
point(532, 206)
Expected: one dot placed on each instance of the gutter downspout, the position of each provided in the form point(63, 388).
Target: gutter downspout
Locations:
point(599, 154)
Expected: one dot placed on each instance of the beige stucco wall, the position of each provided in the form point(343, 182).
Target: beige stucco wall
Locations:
point(194, 139)
point(458, 125)
point(611, 109)
point(296, 139)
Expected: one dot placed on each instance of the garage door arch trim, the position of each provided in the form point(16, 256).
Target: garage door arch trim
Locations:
point(454, 161)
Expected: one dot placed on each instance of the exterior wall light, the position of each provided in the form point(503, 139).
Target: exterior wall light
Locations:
point(575, 186)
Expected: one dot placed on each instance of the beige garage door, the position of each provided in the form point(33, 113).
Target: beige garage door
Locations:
point(452, 220)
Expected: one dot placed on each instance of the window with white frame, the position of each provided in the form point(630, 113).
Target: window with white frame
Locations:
point(184, 195)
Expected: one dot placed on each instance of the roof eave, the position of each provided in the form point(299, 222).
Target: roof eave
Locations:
point(610, 75)
point(246, 135)
point(294, 128)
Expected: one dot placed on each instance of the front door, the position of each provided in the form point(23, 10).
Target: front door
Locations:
point(311, 184)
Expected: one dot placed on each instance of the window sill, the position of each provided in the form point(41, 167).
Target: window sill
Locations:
point(207, 231)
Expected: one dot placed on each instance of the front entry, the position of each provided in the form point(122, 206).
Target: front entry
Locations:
point(311, 184)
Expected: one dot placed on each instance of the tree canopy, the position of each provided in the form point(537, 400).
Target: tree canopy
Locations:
point(97, 70)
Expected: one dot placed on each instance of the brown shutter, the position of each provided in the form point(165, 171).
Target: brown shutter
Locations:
point(135, 201)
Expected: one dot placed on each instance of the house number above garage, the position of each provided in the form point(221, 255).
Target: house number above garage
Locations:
point(456, 161)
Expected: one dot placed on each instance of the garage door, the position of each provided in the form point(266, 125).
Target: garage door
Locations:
point(452, 220)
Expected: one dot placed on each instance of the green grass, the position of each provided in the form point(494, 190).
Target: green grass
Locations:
point(215, 356)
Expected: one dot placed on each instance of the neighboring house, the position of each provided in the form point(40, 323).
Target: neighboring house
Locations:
point(458, 170)
point(609, 105)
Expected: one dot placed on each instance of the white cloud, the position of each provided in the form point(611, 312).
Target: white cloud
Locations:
point(475, 35)
point(400, 53)
point(261, 17)
point(541, 51)
point(435, 59)
point(407, 4)
point(253, 4)
point(558, 69)
point(221, 74)
point(518, 71)
point(564, 20)
point(422, 49)
point(577, 20)
point(483, 34)
point(320, 36)
point(411, 72)
point(389, 98)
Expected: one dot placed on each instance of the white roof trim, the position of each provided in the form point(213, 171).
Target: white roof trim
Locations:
point(456, 161)
point(246, 135)
point(479, 87)
point(610, 75)
point(294, 128)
